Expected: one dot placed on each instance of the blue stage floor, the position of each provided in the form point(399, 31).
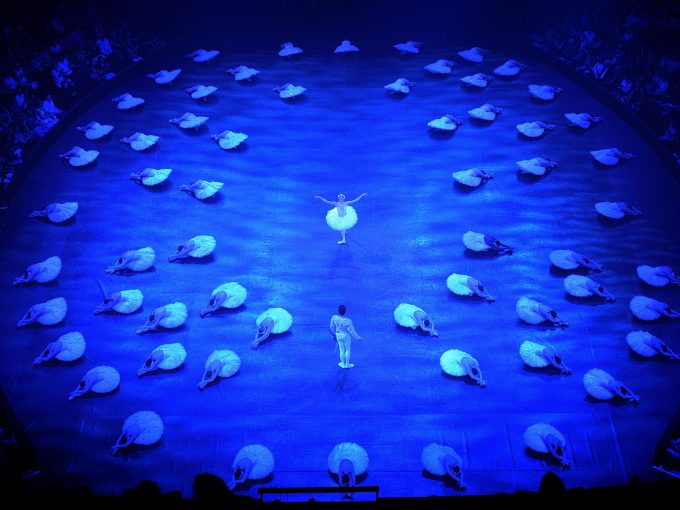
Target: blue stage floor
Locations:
point(346, 135)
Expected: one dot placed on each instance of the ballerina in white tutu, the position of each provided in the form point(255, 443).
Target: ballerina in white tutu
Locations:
point(582, 120)
point(534, 129)
point(544, 438)
point(464, 285)
point(582, 286)
point(101, 380)
point(169, 316)
point(347, 461)
point(228, 140)
point(272, 320)
point(458, 363)
point(343, 216)
point(202, 55)
point(472, 177)
point(164, 357)
point(602, 386)
point(610, 157)
point(164, 77)
point(78, 156)
point(252, 462)
point(41, 272)
point(57, 213)
point(476, 241)
point(68, 347)
point(140, 142)
point(533, 312)
point(657, 276)
point(536, 166)
point(243, 73)
point(475, 54)
point(221, 363)
point(346, 47)
point(201, 91)
point(408, 48)
point(190, 121)
point(128, 101)
point(648, 345)
point(134, 260)
point(48, 313)
point(228, 295)
point(544, 92)
point(616, 210)
point(441, 460)
point(509, 68)
point(202, 189)
point(151, 176)
point(196, 247)
point(289, 91)
point(141, 428)
point(94, 130)
point(411, 316)
point(342, 329)
point(441, 66)
point(648, 309)
point(478, 80)
point(539, 356)
point(568, 259)
point(447, 123)
point(400, 86)
point(125, 301)
point(288, 49)
point(487, 112)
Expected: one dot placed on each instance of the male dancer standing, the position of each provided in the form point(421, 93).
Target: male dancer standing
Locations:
point(343, 331)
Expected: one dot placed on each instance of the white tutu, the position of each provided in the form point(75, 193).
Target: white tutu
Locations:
point(582, 120)
point(203, 246)
point(236, 294)
point(580, 286)
point(42, 272)
point(141, 142)
point(530, 129)
point(475, 241)
point(163, 77)
point(451, 362)
point(657, 276)
point(190, 121)
point(608, 157)
point(243, 73)
point(150, 425)
point(534, 166)
point(95, 130)
point(155, 176)
point(648, 345)
point(441, 66)
point(342, 222)
point(646, 309)
point(509, 68)
point(543, 92)
point(288, 50)
point(130, 301)
point(478, 80)
point(201, 55)
point(411, 47)
point(282, 319)
point(568, 259)
point(485, 112)
point(432, 458)
point(444, 123)
point(230, 140)
point(201, 91)
point(48, 313)
point(402, 86)
point(535, 437)
point(173, 356)
point(610, 210)
point(346, 47)
point(596, 383)
point(531, 354)
point(205, 189)
point(135, 260)
point(108, 379)
point(468, 177)
point(349, 451)
point(403, 314)
point(231, 363)
point(262, 460)
point(128, 102)
point(290, 91)
point(58, 213)
point(527, 310)
point(70, 347)
point(475, 55)
point(178, 314)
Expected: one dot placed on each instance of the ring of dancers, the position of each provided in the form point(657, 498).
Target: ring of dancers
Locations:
point(343, 216)
point(342, 329)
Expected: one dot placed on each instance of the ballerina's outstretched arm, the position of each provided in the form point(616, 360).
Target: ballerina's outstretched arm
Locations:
point(327, 201)
point(356, 199)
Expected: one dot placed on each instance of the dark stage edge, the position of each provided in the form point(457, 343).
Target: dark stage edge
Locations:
point(346, 135)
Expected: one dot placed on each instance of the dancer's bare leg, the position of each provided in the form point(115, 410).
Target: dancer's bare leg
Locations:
point(343, 240)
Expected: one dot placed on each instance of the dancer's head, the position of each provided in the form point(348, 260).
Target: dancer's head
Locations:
point(341, 197)
point(342, 309)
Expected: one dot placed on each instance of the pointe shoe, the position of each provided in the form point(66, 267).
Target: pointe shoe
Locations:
point(341, 365)
point(349, 365)
point(343, 241)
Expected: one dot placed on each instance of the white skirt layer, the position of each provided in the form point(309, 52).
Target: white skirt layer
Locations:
point(109, 379)
point(595, 382)
point(433, 455)
point(235, 292)
point(451, 362)
point(534, 436)
point(467, 178)
point(130, 301)
point(644, 308)
point(157, 176)
point(282, 319)
point(648, 274)
point(150, 424)
point(527, 311)
point(73, 346)
point(231, 363)
point(173, 356)
point(403, 314)
point(530, 129)
point(610, 210)
point(48, 270)
point(605, 156)
point(640, 342)
point(144, 258)
point(62, 212)
point(261, 457)
point(457, 283)
point(564, 259)
point(350, 451)
point(531, 354)
point(475, 241)
point(342, 222)
point(178, 314)
point(208, 189)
